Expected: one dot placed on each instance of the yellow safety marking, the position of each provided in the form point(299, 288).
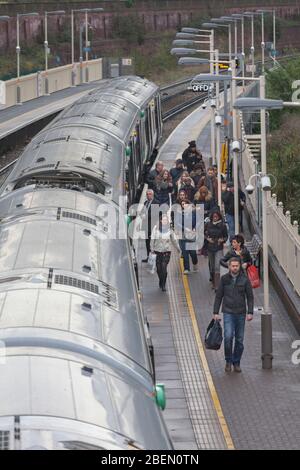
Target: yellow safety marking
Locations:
point(205, 366)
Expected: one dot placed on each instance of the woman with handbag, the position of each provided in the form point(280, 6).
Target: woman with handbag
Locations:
point(162, 238)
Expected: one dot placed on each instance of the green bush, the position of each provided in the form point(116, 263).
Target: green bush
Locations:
point(129, 28)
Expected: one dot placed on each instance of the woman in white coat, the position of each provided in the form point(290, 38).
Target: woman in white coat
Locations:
point(162, 239)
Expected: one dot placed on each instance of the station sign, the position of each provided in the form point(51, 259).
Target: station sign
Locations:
point(201, 86)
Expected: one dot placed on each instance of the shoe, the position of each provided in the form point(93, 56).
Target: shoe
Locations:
point(186, 271)
point(195, 268)
point(164, 288)
point(237, 368)
point(145, 260)
point(228, 367)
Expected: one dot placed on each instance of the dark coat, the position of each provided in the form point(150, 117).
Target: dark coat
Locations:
point(209, 206)
point(189, 191)
point(211, 184)
point(150, 178)
point(215, 232)
point(233, 295)
point(162, 189)
point(245, 257)
point(175, 174)
point(189, 159)
point(228, 200)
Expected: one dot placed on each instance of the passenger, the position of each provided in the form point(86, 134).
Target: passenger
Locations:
point(215, 234)
point(233, 292)
point(191, 156)
point(150, 179)
point(238, 250)
point(210, 181)
point(204, 197)
point(187, 184)
point(197, 173)
point(176, 207)
point(161, 238)
point(185, 226)
point(163, 187)
point(228, 200)
point(148, 164)
point(146, 216)
point(177, 171)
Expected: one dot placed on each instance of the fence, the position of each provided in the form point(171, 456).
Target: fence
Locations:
point(36, 84)
point(283, 234)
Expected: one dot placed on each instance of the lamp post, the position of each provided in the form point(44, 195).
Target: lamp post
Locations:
point(85, 11)
point(192, 42)
point(273, 12)
point(263, 104)
point(18, 52)
point(218, 23)
point(242, 19)
point(47, 13)
point(250, 14)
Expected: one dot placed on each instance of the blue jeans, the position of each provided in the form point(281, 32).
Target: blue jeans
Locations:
point(230, 222)
point(234, 328)
point(184, 246)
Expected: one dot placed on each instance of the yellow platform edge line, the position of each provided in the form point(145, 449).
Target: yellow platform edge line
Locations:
point(212, 388)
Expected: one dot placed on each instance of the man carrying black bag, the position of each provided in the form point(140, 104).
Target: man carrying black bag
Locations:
point(234, 290)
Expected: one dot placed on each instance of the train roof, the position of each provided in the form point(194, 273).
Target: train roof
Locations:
point(61, 269)
point(89, 136)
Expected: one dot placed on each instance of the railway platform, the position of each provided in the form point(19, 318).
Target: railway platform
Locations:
point(16, 117)
point(207, 408)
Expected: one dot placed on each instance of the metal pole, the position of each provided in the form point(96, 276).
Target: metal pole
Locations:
point(235, 154)
point(72, 37)
point(235, 39)
point(229, 42)
point(212, 112)
point(262, 43)
point(218, 150)
point(266, 316)
point(274, 31)
point(18, 50)
point(86, 47)
point(252, 45)
point(243, 49)
point(46, 55)
point(81, 52)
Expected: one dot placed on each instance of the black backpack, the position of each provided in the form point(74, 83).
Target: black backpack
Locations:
point(214, 335)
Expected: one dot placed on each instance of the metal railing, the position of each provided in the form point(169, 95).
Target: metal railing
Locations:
point(283, 233)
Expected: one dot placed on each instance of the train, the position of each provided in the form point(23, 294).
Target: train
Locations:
point(76, 356)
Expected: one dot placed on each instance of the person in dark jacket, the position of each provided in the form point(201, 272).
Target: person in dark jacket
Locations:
point(210, 181)
point(177, 171)
point(197, 173)
point(150, 178)
point(204, 197)
point(215, 234)
point(163, 187)
point(238, 250)
point(228, 200)
point(191, 156)
point(187, 185)
point(146, 214)
point(236, 295)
